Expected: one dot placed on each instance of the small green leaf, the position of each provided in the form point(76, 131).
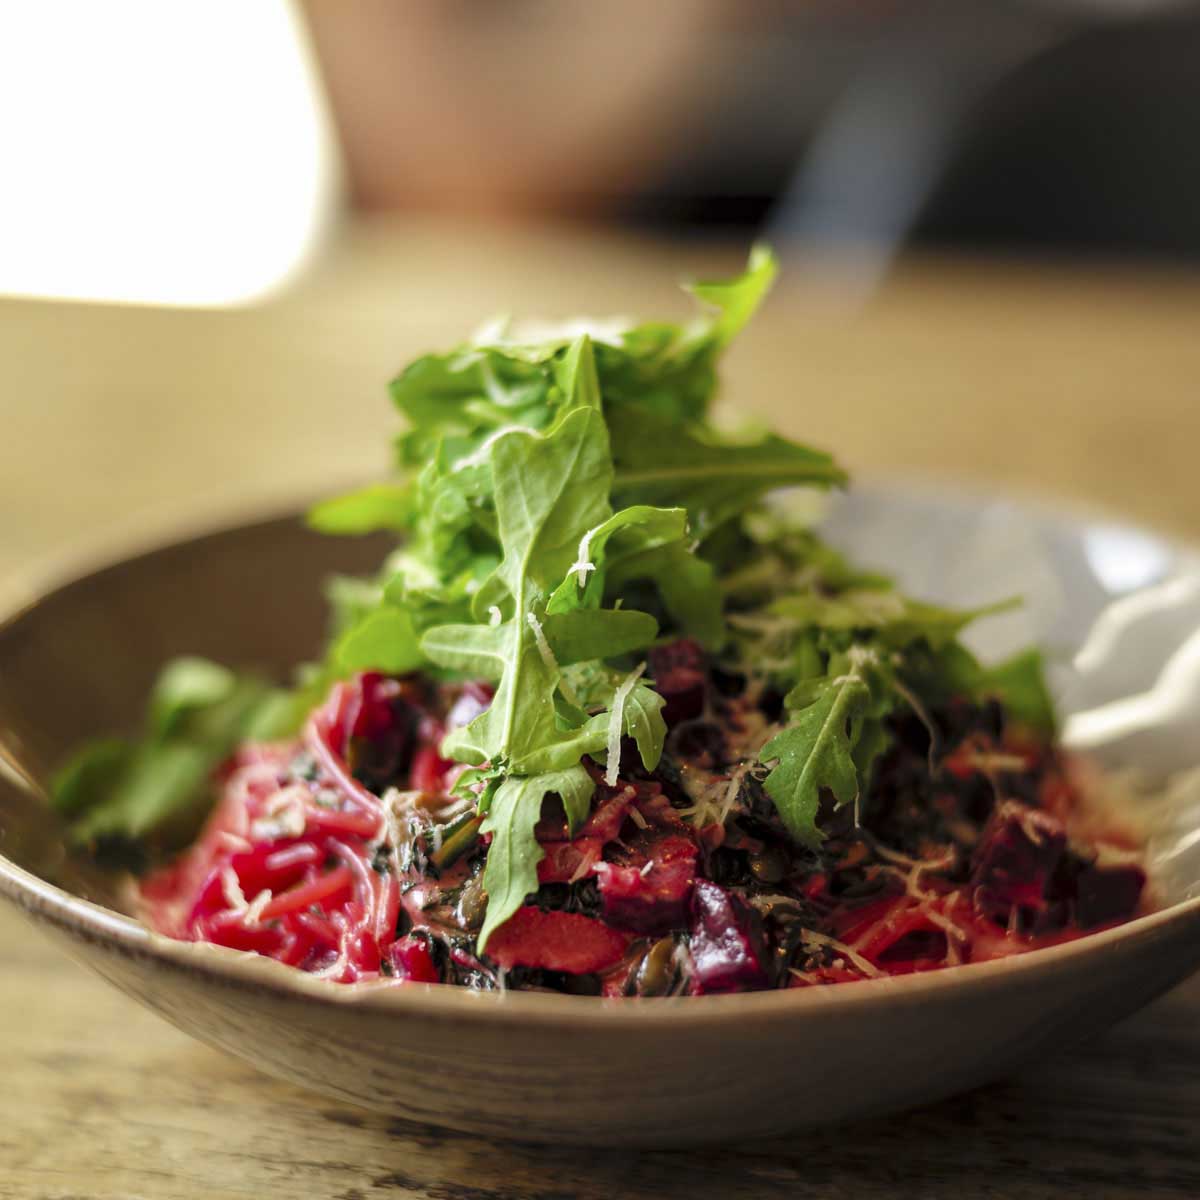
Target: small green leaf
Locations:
point(476, 650)
point(597, 633)
point(511, 871)
point(184, 686)
point(1020, 684)
point(575, 374)
point(158, 786)
point(736, 300)
point(383, 640)
point(660, 462)
point(378, 506)
point(94, 771)
point(896, 620)
point(832, 737)
point(815, 753)
point(642, 720)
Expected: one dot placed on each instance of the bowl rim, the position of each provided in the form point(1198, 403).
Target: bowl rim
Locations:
point(116, 932)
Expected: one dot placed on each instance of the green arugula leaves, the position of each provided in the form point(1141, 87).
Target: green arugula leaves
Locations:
point(510, 873)
point(158, 787)
point(564, 502)
point(550, 497)
point(827, 720)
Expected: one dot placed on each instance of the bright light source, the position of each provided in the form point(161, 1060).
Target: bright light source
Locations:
point(167, 153)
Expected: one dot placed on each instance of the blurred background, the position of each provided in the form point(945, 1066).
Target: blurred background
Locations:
point(193, 152)
point(225, 223)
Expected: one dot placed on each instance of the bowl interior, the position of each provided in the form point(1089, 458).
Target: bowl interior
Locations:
point(78, 662)
point(1117, 611)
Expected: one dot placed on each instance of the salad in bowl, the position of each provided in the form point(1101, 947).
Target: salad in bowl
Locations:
point(610, 720)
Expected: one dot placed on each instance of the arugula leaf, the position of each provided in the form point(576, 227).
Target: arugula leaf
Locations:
point(500, 381)
point(896, 620)
point(158, 787)
point(476, 651)
point(654, 382)
point(953, 671)
point(1019, 683)
point(371, 508)
point(510, 873)
point(549, 490)
point(636, 710)
point(383, 640)
point(736, 300)
point(652, 544)
point(686, 585)
point(659, 461)
point(583, 586)
point(818, 748)
point(597, 633)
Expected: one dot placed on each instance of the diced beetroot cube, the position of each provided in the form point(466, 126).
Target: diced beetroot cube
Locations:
point(725, 955)
point(556, 941)
point(1108, 893)
point(679, 671)
point(1016, 859)
point(411, 960)
point(651, 894)
point(564, 861)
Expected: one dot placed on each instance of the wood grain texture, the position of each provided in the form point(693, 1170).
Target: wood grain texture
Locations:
point(102, 1101)
point(1077, 384)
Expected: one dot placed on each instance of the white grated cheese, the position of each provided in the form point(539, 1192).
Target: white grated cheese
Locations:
point(232, 890)
point(583, 564)
point(586, 863)
point(551, 662)
point(616, 721)
point(254, 910)
point(810, 937)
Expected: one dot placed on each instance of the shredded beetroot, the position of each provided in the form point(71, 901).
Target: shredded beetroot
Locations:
point(302, 859)
point(410, 959)
point(284, 866)
point(725, 953)
point(650, 893)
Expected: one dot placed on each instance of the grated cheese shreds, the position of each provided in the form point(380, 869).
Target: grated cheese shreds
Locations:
point(539, 636)
point(820, 939)
point(616, 723)
point(582, 565)
point(254, 910)
point(232, 890)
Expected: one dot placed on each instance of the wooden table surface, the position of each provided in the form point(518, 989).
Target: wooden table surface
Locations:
point(1077, 383)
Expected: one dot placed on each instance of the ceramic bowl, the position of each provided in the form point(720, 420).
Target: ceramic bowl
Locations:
point(1118, 611)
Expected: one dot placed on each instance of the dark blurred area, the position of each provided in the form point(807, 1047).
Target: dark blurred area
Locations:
point(1068, 126)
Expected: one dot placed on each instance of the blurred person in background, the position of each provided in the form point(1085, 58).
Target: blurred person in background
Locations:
point(1069, 125)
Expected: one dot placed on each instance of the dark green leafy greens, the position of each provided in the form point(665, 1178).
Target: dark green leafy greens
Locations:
point(159, 785)
point(564, 502)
